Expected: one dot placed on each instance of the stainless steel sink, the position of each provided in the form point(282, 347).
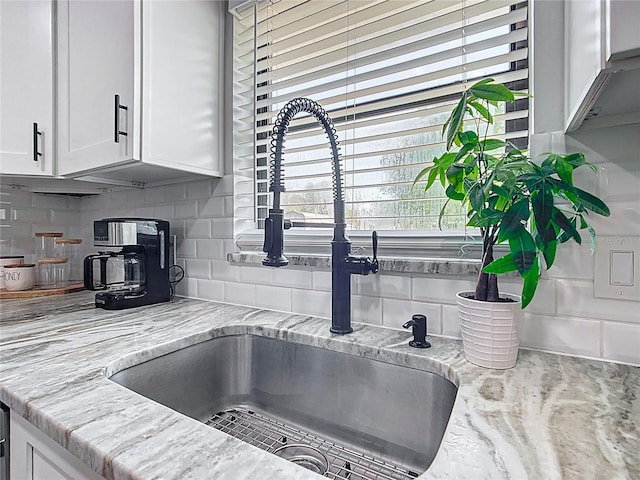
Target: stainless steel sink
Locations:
point(360, 414)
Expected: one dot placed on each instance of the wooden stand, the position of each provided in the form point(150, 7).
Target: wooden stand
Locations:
point(42, 292)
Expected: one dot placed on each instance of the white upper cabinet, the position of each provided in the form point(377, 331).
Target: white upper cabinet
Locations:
point(95, 65)
point(602, 58)
point(139, 89)
point(182, 96)
point(26, 88)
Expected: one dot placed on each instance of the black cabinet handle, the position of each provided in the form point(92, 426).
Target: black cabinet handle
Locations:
point(36, 134)
point(117, 107)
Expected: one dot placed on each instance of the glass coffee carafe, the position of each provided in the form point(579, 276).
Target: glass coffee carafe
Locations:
point(114, 271)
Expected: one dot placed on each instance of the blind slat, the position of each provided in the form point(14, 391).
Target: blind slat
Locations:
point(388, 73)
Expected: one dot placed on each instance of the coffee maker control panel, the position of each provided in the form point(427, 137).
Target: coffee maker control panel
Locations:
point(114, 234)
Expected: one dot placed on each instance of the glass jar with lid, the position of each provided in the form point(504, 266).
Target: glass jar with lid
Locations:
point(46, 244)
point(53, 272)
point(68, 248)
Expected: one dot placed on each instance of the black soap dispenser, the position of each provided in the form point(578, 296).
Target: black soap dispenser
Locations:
point(419, 329)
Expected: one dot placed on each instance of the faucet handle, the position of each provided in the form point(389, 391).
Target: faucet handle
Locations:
point(374, 262)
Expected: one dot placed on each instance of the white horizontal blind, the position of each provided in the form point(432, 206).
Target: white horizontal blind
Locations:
point(387, 72)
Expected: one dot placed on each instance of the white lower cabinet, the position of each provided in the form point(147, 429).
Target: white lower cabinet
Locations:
point(34, 456)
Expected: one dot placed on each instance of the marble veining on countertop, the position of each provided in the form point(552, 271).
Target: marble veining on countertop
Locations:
point(551, 417)
point(438, 266)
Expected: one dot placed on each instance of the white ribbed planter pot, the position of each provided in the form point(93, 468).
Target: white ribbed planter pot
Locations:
point(489, 330)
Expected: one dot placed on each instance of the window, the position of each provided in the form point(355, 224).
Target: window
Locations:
point(388, 73)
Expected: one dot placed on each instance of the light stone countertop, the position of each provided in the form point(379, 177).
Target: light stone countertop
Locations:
point(551, 417)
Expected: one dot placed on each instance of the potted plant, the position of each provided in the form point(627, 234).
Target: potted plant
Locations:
point(530, 206)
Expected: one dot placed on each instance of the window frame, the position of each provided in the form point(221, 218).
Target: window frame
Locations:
point(419, 244)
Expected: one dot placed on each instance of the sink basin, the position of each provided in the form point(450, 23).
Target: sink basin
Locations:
point(273, 393)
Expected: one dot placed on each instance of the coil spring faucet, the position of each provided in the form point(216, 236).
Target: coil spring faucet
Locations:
point(343, 264)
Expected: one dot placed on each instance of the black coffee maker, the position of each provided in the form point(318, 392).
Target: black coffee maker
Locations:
point(136, 275)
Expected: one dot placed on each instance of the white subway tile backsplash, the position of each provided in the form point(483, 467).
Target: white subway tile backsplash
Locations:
point(381, 285)
point(398, 312)
point(366, 309)
point(199, 189)
point(31, 215)
point(439, 289)
point(223, 270)
point(450, 321)
point(224, 186)
point(188, 287)
point(289, 277)
point(544, 301)
point(576, 336)
point(222, 228)
point(175, 192)
point(321, 280)
point(240, 293)
point(186, 209)
point(153, 195)
point(200, 228)
point(211, 207)
point(310, 302)
point(275, 298)
point(197, 268)
point(135, 196)
point(573, 261)
point(50, 201)
point(259, 275)
point(575, 298)
point(163, 212)
point(211, 290)
point(210, 249)
point(621, 342)
point(142, 212)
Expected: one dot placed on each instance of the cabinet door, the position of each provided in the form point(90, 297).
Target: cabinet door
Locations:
point(34, 456)
point(182, 83)
point(26, 89)
point(95, 64)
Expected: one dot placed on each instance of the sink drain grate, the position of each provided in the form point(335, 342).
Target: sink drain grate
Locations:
point(270, 435)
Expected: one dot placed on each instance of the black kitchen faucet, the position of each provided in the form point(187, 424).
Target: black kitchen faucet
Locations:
point(343, 264)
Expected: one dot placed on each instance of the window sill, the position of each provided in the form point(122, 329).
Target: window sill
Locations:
point(433, 266)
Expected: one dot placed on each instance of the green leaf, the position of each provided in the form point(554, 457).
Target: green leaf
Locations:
point(514, 220)
point(485, 218)
point(523, 249)
point(492, 92)
point(591, 202)
point(501, 265)
point(455, 175)
point(562, 222)
point(476, 196)
point(466, 148)
point(542, 203)
point(575, 159)
point(441, 215)
point(423, 172)
point(453, 194)
point(483, 111)
point(455, 121)
point(492, 144)
point(483, 82)
point(565, 170)
point(530, 283)
point(549, 252)
point(468, 136)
